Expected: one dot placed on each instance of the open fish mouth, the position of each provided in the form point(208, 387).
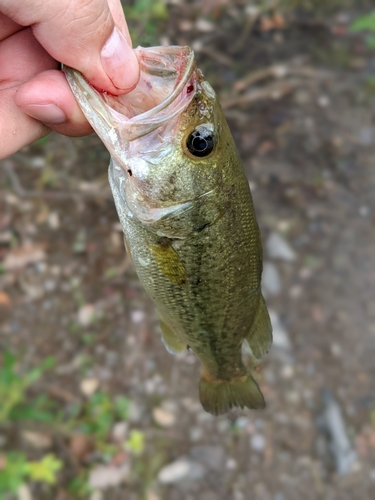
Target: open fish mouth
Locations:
point(166, 86)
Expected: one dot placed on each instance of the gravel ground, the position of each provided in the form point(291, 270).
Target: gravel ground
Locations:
point(306, 137)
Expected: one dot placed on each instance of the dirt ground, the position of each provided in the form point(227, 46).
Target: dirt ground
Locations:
point(305, 130)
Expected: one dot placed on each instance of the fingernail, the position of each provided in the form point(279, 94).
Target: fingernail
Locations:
point(119, 62)
point(46, 113)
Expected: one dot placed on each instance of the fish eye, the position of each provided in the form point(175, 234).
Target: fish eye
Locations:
point(200, 142)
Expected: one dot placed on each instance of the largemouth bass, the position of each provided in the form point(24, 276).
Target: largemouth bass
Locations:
point(188, 218)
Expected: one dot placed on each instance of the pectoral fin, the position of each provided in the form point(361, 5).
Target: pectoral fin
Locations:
point(169, 262)
point(260, 335)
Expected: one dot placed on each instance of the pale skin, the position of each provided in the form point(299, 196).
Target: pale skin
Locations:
point(35, 37)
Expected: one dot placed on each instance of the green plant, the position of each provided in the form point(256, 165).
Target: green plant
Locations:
point(365, 24)
point(145, 18)
point(13, 389)
point(14, 466)
point(16, 469)
point(94, 416)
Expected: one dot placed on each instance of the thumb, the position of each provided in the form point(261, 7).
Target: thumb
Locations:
point(82, 34)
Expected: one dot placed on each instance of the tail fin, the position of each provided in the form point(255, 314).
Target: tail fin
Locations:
point(219, 396)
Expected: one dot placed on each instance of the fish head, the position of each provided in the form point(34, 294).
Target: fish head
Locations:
point(164, 136)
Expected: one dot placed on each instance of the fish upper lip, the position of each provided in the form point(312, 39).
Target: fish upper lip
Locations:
point(185, 73)
point(144, 55)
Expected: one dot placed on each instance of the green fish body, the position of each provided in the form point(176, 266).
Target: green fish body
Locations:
point(187, 214)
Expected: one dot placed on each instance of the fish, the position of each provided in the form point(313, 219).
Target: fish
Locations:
point(187, 214)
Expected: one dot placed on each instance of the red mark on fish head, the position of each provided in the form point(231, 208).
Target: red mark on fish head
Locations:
point(189, 89)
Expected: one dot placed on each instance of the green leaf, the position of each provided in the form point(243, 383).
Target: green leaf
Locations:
point(14, 472)
point(136, 442)
point(122, 405)
point(364, 23)
point(45, 469)
point(370, 41)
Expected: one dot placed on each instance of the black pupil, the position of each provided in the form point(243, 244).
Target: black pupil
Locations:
point(200, 143)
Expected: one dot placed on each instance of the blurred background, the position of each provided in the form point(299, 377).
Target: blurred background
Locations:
point(91, 404)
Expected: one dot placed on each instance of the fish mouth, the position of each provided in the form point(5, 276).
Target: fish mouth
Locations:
point(166, 86)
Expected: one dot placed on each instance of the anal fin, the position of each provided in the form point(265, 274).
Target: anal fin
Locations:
point(260, 335)
point(172, 343)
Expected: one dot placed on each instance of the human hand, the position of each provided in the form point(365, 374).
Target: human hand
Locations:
point(35, 37)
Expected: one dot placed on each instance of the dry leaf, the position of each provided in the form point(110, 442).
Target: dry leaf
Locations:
point(21, 257)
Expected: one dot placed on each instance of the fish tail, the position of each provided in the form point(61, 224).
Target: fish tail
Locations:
point(260, 335)
point(218, 396)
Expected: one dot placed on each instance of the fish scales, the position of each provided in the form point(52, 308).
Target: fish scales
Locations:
point(188, 218)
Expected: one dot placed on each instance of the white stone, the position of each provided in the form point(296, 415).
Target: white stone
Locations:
point(279, 248)
point(86, 315)
point(106, 476)
point(257, 442)
point(163, 418)
point(280, 335)
point(120, 431)
point(137, 316)
point(271, 281)
point(24, 493)
point(174, 472)
point(88, 386)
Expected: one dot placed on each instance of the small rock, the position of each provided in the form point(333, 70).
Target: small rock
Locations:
point(24, 493)
point(364, 211)
point(50, 285)
point(279, 248)
point(163, 417)
point(86, 315)
point(97, 495)
point(287, 372)
point(174, 472)
point(53, 220)
point(137, 316)
point(107, 476)
point(89, 385)
point(336, 350)
point(271, 281)
point(280, 335)
point(179, 470)
point(204, 25)
point(37, 440)
point(151, 495)
point(120, 431)
point(324, 101)
point(231, 464)
point(242, 422)
point(37, 162)
point(257, 442)
point(196, 433)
